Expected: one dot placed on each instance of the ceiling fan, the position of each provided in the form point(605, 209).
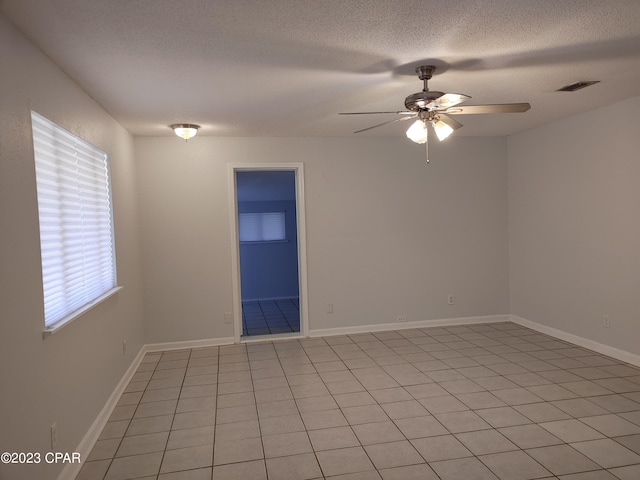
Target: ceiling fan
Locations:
point(433, 108)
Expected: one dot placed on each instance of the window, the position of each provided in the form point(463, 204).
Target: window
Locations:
point(262, 227)
point(76, 224)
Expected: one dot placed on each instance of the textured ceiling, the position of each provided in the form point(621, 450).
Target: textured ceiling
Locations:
point(287, 67)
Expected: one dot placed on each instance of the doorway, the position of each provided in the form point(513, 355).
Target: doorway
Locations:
point(268, 231)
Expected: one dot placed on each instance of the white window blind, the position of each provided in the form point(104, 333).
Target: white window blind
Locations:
point(76, 225)
point(262, 227)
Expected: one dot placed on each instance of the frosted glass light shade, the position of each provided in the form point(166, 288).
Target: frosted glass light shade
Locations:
point(417, 132)
point(442, 130)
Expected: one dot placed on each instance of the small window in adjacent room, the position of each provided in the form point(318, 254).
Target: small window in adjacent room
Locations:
point(76, 224)
point(262, 227)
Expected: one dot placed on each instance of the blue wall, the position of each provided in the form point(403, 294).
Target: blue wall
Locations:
point(270, 270)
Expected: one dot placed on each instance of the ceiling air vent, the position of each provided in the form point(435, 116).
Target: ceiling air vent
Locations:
point(576, 86)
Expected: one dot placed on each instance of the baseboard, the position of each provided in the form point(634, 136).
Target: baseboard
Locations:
point(383, 327)
point(607, 350)
point(71, 470)
point(209, 342)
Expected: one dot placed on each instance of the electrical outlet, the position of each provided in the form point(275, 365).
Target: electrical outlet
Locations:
point(606, 322)
point(54, 434)
point(329, 307)
point(401, 319)
point(451, 300)
point(124, 347)
point(228, 317)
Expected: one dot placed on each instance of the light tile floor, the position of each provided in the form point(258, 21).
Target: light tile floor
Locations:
point(494, 401)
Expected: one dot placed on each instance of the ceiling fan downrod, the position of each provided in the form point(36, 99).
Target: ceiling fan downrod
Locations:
point(425, 72)
point(420, 101)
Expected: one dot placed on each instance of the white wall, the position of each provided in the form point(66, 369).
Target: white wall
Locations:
point(387, 235)
point(69, 376)
point(574, 224)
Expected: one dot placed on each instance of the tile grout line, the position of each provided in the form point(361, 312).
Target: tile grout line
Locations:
point(255, 399)
point(215, 414)
point(164, 452)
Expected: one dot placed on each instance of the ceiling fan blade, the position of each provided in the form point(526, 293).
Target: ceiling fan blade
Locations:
point(480, 109)
point(384, 123)
point(449, 100)
point(450, 121)
point(403, 112)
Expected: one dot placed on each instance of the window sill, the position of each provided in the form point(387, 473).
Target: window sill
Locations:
point(55, 328)
point(259, 242)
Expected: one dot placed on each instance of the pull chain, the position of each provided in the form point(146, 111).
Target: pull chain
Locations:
point(426, 151)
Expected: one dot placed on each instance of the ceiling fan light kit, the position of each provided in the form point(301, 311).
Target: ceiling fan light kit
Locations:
point(418, 132)
point(442, 129)
point(433, 108)
point(185, 130)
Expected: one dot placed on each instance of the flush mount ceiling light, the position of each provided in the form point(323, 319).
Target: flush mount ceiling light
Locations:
point(185, 130)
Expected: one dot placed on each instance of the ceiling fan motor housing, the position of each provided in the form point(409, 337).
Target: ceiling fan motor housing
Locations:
point(421, 100)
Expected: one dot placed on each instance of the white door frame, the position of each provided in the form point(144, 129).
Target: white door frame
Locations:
point(298, 168)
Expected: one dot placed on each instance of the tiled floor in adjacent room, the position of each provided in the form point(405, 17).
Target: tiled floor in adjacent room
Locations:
point(493, 401)
point(265, 317)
